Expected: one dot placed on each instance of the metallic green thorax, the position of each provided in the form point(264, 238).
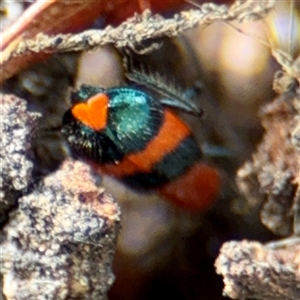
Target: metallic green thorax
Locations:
point(134, 118)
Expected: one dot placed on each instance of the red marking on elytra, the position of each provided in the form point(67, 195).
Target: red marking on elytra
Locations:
point(170, 135)
point(195, 190)
point(92, 113)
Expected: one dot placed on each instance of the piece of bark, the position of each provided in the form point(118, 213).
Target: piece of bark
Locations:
point(17, 128)
point(271, 179)
point(131, 33)
point(254, 271)
point(60, 242)
point(72, 16)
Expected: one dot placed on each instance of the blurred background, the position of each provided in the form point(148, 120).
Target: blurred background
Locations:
point(164, 251)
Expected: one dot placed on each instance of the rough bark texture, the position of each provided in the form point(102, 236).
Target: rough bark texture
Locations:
point(131, 33)
point(254, 271)
point(272, 177)
point(60, 241)
point(16, 127)
point(271, 180)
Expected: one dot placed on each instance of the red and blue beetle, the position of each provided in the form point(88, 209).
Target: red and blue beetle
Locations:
point(137, 138)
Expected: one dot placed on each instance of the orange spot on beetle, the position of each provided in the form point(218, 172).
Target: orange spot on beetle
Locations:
point(92, 113)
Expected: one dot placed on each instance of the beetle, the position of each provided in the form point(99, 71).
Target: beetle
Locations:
point(127, 133)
